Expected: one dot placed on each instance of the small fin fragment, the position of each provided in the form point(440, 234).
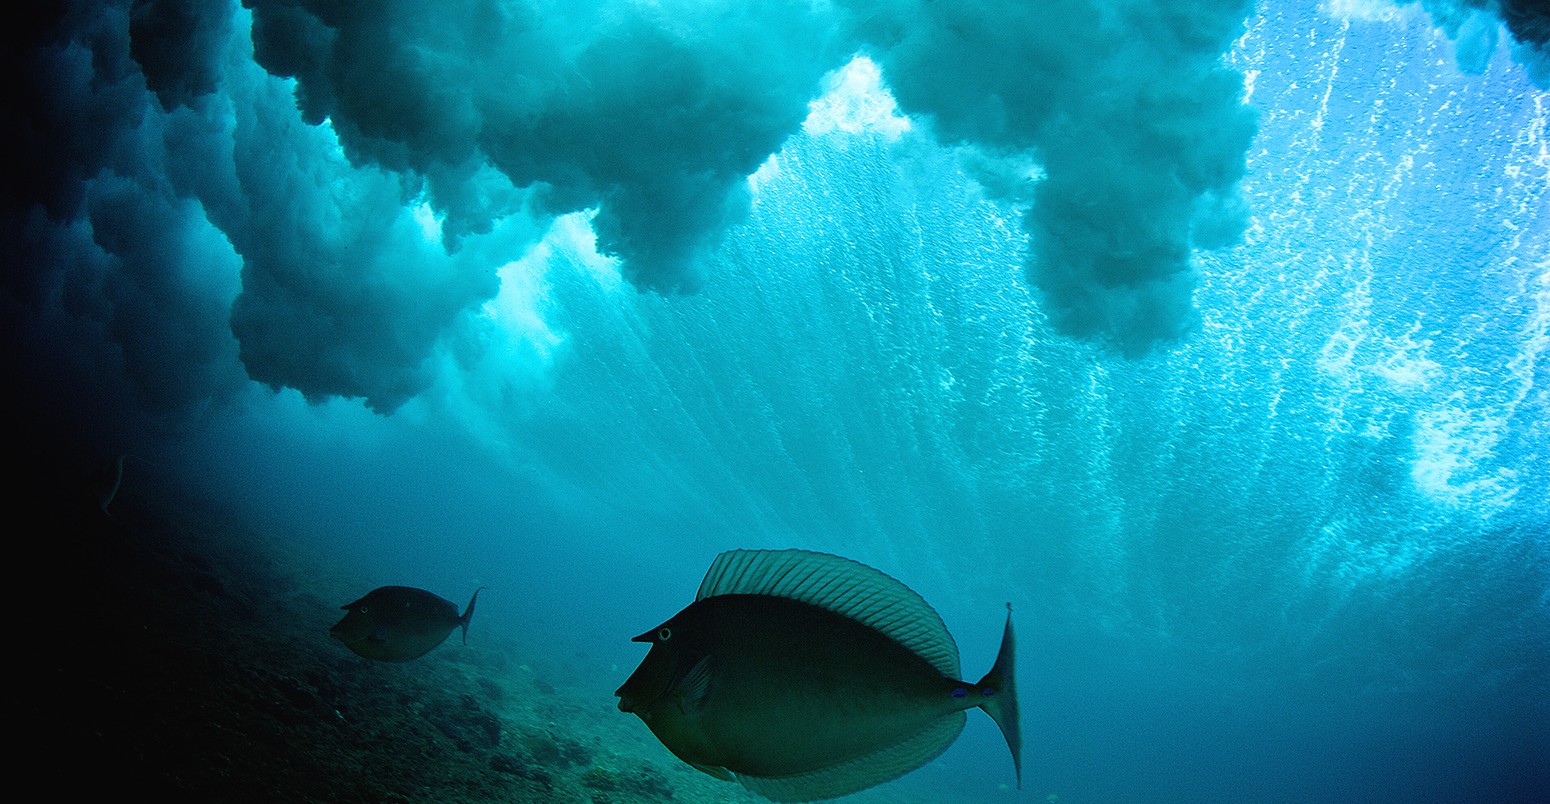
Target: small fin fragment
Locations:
point(468, 614)
point(714, 770)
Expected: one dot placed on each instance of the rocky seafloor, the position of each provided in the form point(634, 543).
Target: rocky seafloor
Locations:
point(168, 653)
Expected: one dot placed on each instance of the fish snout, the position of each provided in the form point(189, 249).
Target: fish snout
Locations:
point(627, 702)
point(650, 682)
point(634, 707)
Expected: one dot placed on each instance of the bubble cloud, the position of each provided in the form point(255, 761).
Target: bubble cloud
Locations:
point(319, 194)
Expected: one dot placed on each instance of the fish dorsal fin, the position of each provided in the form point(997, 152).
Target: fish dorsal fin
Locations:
point(842, 586)
point(863, 771)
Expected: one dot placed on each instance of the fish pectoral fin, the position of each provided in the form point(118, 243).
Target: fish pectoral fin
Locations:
point(849, 776)
point(694, 688)
point(715, 770)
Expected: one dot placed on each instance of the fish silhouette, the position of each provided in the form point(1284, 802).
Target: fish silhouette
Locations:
point(807, 676)
point(399, 623)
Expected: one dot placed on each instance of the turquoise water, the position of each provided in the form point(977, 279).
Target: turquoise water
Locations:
point(1267, 484)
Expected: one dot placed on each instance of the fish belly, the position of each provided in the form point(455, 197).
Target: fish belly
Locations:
point(812, 705)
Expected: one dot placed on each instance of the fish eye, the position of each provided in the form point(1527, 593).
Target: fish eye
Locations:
point(664, 634)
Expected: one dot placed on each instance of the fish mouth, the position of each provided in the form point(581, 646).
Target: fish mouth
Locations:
point(630, 701)
point(346, 638)
point(647, 686)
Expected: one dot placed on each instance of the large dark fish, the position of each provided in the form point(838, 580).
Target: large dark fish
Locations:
point(806, 676)
point(399, 623)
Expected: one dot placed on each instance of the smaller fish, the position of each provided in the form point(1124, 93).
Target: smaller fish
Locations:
point(399, 623)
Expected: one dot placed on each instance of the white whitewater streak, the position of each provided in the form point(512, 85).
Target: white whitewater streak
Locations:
point(1387, 282)
point(1459, 442)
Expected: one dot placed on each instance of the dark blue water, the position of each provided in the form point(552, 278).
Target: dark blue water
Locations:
point(1286, 540)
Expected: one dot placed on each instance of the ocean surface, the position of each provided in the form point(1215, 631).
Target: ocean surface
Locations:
point(1213, 337)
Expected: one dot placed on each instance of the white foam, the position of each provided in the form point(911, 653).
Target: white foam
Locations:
point(1367, 10)
point(855, 101)
point(1454, 447)
point(1407, 369)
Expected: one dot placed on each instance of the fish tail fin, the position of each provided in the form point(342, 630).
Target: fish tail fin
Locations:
point(468, 614)
point(1000, 696)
